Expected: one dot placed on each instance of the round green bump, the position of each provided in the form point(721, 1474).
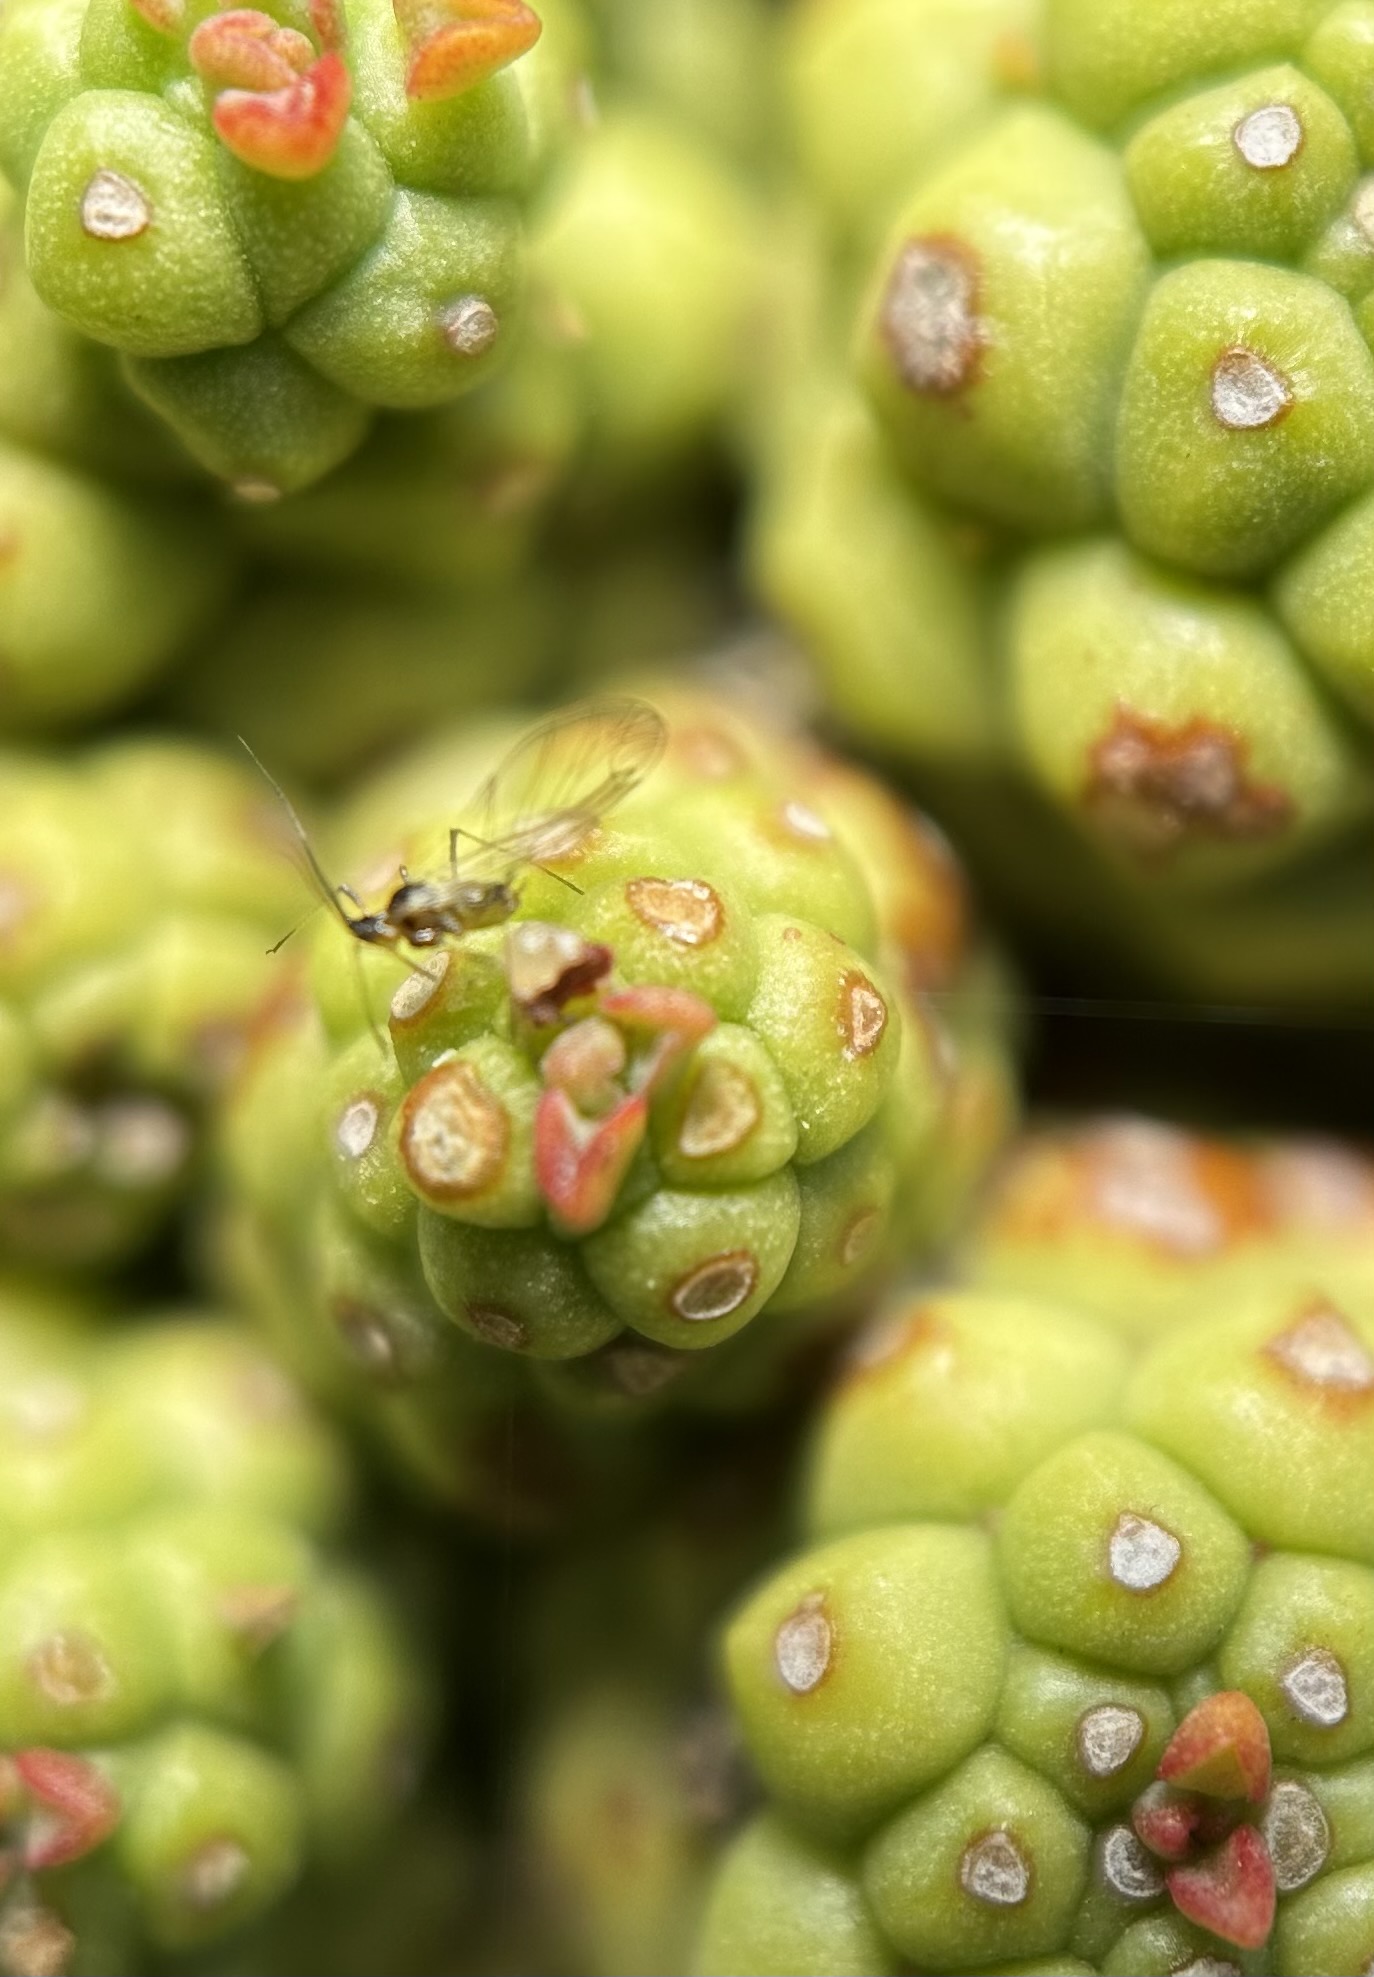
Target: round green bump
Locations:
point(949, 1401)
point(1325, 596)
point(832, 1027)
point(1255, 168)
point(864, 1670)
point(990, 1863)
point(690, 1269)
point(781, 853)
point(1345, 1794)
point(728, 1119)
point(361, 1109)
point(128, 233)
point(875, 585)
point(1196, 770)
point(782, 1903)
point(212, 1834)
point(678, 932)
point(1274, 1410)
point(99, 588)
point(467, 1136)
point(1167, 1946)
point(1001, 321)
point(400, 329)
point(1340, 54)
point(449, 1001)
point(1328, 1928)
point(847, 1204)
point(1303, 1647)
point(303, 234)
point(659, 323)
point(1110, 1550)
point(257, 417)
point(1095, 1735)
point(1247, 417)
point(81, 1658)
point(477, 141)
point(524, 1291)
point(1108, 57)
point(879, 89)
point(1343, 257)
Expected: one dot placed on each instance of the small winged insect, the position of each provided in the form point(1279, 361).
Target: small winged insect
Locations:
point(554, 786)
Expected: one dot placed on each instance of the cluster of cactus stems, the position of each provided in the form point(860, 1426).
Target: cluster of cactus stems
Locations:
point(553, 1416)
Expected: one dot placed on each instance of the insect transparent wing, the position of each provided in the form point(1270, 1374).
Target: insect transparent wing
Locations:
point(558, 780)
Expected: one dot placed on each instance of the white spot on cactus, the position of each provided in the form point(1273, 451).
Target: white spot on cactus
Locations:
point(1362, 209)
point(1323, 1351)
point(722, 1110)
point(1248, 393)
point(930, 316)
point(1317, 1690)
point(994, 1871)
point(357, 1128)
point(143, 1142)
point(1128, 1867)
point(1108, 1737)
point(685, 911)
point(1208, 1966)
point(33, 1942)
point(214, 1874)
point(70, 1668)
point(256, 493)
point(44, 1409)
point(1270, 137)
point(16, 904)
point(862, 1017)
point(1144, 1180)
point(114, 207)
point(803, 1645)
point(860, 1234)
point(470, 326)
point(1297, 1835)
point(803, 822)
point(1142, 1555)
point(715, 1288)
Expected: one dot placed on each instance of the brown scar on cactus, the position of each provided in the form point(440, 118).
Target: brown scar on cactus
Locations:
point(1155, 785)
point(455, 44)
point(930, 318)
point(455, 1134)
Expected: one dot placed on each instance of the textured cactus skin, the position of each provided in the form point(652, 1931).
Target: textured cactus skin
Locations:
point(1067, 527)
point(283, 219)
point(758, 1181)
point(1093, 1523)
point(143, 882)
point(202, 1700)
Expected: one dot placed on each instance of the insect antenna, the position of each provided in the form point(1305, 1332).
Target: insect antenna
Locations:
point(314, 871)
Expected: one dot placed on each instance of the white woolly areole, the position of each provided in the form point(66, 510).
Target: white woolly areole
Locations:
point(802, 1646)
point(1141, 1554)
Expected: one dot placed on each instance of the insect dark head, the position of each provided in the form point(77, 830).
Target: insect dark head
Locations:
point(376, 927)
